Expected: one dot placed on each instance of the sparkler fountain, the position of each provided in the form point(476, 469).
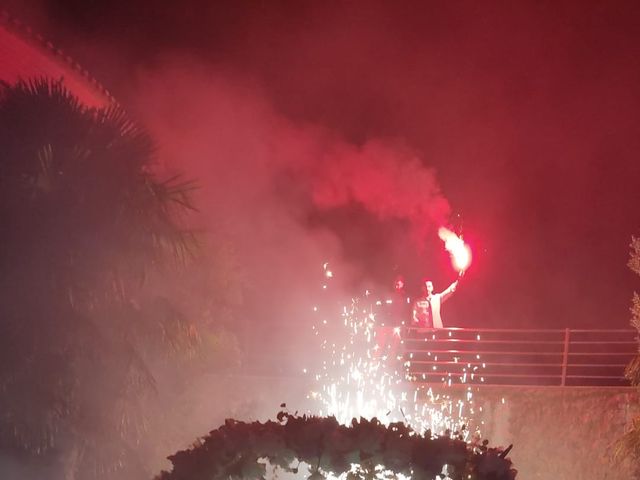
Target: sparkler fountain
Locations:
point(365, 372)
point(363, 375)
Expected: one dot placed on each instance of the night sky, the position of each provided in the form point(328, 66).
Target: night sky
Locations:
point(527, 112)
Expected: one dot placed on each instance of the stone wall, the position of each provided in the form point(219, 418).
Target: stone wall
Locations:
point(559, 433)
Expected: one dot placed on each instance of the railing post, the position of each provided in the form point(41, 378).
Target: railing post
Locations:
point(565, 357)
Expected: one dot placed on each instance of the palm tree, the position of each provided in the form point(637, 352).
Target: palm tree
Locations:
point(83, 221)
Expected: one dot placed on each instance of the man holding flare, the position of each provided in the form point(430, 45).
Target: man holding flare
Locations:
point(426, 309)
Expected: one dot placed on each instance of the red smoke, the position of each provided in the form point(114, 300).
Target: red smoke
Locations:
point(225, 134)
point(528, 111)
point(389, 181)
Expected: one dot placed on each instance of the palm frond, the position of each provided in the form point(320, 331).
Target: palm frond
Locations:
point(84, 219)
point(632, 371)
point(634, 260)
point(628, 446)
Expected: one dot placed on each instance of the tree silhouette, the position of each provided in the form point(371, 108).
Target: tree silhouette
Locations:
point(83, 221)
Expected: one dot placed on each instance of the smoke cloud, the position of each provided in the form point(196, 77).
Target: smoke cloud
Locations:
point(263, 178)
point(388, 181)
point(269, 187)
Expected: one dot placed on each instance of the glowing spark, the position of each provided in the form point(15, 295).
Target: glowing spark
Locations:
point(366, 374)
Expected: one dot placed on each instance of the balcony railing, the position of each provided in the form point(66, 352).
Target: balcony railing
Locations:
point(560, 357)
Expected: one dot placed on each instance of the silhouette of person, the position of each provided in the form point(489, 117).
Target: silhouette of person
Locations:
point(426, 308)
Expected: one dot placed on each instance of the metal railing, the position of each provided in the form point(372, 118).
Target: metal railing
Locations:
point(551, 357)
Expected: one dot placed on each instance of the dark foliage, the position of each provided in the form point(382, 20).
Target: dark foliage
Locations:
point(78, 196)
point(237, 450)
point(82, 221)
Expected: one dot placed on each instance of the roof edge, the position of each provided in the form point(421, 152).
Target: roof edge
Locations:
point(27, 33)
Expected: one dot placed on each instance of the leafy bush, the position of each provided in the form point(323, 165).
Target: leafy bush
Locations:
point(239, 450)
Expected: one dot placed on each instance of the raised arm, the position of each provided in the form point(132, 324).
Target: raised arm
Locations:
point(449, 291)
